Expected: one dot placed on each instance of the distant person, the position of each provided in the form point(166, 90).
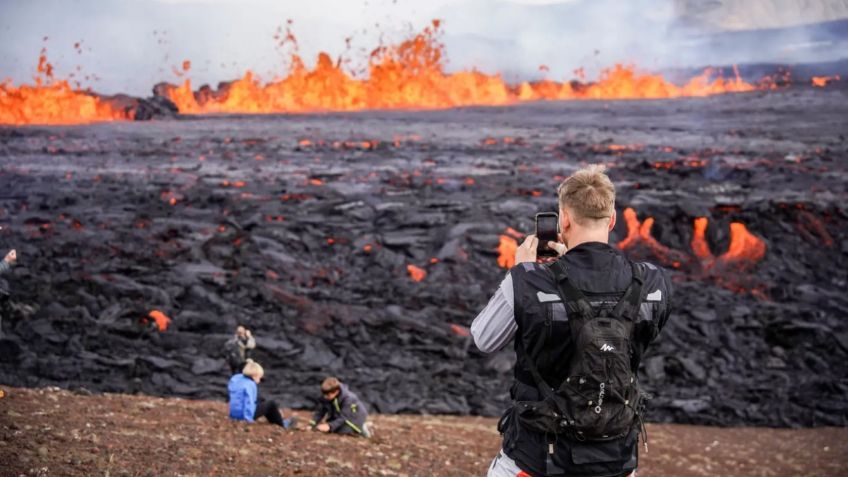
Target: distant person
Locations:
point(581, 324)
point(245, 404)
point(238, 349)
point(5, 265)
point(345, 412)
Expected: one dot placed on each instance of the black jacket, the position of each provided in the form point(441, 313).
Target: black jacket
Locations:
point(602, 273)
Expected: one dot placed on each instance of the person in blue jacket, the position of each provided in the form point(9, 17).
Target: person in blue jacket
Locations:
point(244, 398)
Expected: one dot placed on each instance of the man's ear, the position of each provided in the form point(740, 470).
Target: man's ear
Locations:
point(564, 221)
point(612, 221)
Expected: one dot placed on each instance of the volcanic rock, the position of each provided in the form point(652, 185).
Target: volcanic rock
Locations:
point(305, 229)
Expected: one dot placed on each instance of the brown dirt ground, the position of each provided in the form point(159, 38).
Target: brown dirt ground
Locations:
point(46, 432)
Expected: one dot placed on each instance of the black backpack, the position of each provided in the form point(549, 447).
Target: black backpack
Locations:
point(600, 399)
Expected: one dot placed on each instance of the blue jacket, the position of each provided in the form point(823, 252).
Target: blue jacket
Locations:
point(243, 395)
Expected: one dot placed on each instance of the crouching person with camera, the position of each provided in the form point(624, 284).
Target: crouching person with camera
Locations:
point(581, 323)
point(344, 411)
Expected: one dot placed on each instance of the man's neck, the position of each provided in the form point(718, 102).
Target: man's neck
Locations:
point(585, 236)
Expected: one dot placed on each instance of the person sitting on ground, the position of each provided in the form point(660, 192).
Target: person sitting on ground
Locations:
point(238, 349)
point(5, 266)
point(245, 404)
point(345, 412)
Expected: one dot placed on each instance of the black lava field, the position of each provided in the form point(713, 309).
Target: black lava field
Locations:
point(307, 229)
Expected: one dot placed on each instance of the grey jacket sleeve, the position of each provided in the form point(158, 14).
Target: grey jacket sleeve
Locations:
point(495, 326)
point(4, 266)
point(351, 413)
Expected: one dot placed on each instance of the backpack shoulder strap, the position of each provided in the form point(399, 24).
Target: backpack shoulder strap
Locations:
point(530, 358)
point(628, 305)
point(575, 300)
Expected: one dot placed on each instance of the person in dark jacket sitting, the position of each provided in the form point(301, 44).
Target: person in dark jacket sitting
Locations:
point(244, 398)
point(345, 412)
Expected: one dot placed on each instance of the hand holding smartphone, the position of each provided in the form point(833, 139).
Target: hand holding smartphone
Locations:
point(547, 230)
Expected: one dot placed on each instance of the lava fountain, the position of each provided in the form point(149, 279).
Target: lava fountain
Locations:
point(51, 101)
point(408, 75)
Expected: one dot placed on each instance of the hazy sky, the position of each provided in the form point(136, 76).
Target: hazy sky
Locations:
point(132, 44)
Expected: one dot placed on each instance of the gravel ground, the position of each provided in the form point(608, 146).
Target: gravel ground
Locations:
point(49, 431)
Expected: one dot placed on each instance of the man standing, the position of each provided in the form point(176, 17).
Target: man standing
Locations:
point(345, 413)
point(5, 265)
point(581, 325)
point(238, 349)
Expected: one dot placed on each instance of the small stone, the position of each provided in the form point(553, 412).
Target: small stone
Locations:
point(42, 451)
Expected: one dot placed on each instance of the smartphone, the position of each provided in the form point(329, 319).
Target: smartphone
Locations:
point(547, 228)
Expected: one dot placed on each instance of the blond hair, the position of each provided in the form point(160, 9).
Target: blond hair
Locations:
point(589, 194)
point(252, 369)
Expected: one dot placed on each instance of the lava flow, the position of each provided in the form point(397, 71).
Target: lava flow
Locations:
point(409, 75)
point(745, 248)
point(743, 253)
point(506, 251)
point(640, 233)
point(416, 273)
point(161, 320)
point(52, 101)
point(822, 81)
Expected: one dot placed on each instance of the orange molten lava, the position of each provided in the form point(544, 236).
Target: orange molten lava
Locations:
point(632, 229)
point(699, 244)
point(822, 81)
point(411, 75)
point(506, 251)
point(162, 321)
point(743, 245)
point(417, 274)
point(460, 330)
point(744, 251)
point(52, 102)
point(745, 248)
point(641, 233)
